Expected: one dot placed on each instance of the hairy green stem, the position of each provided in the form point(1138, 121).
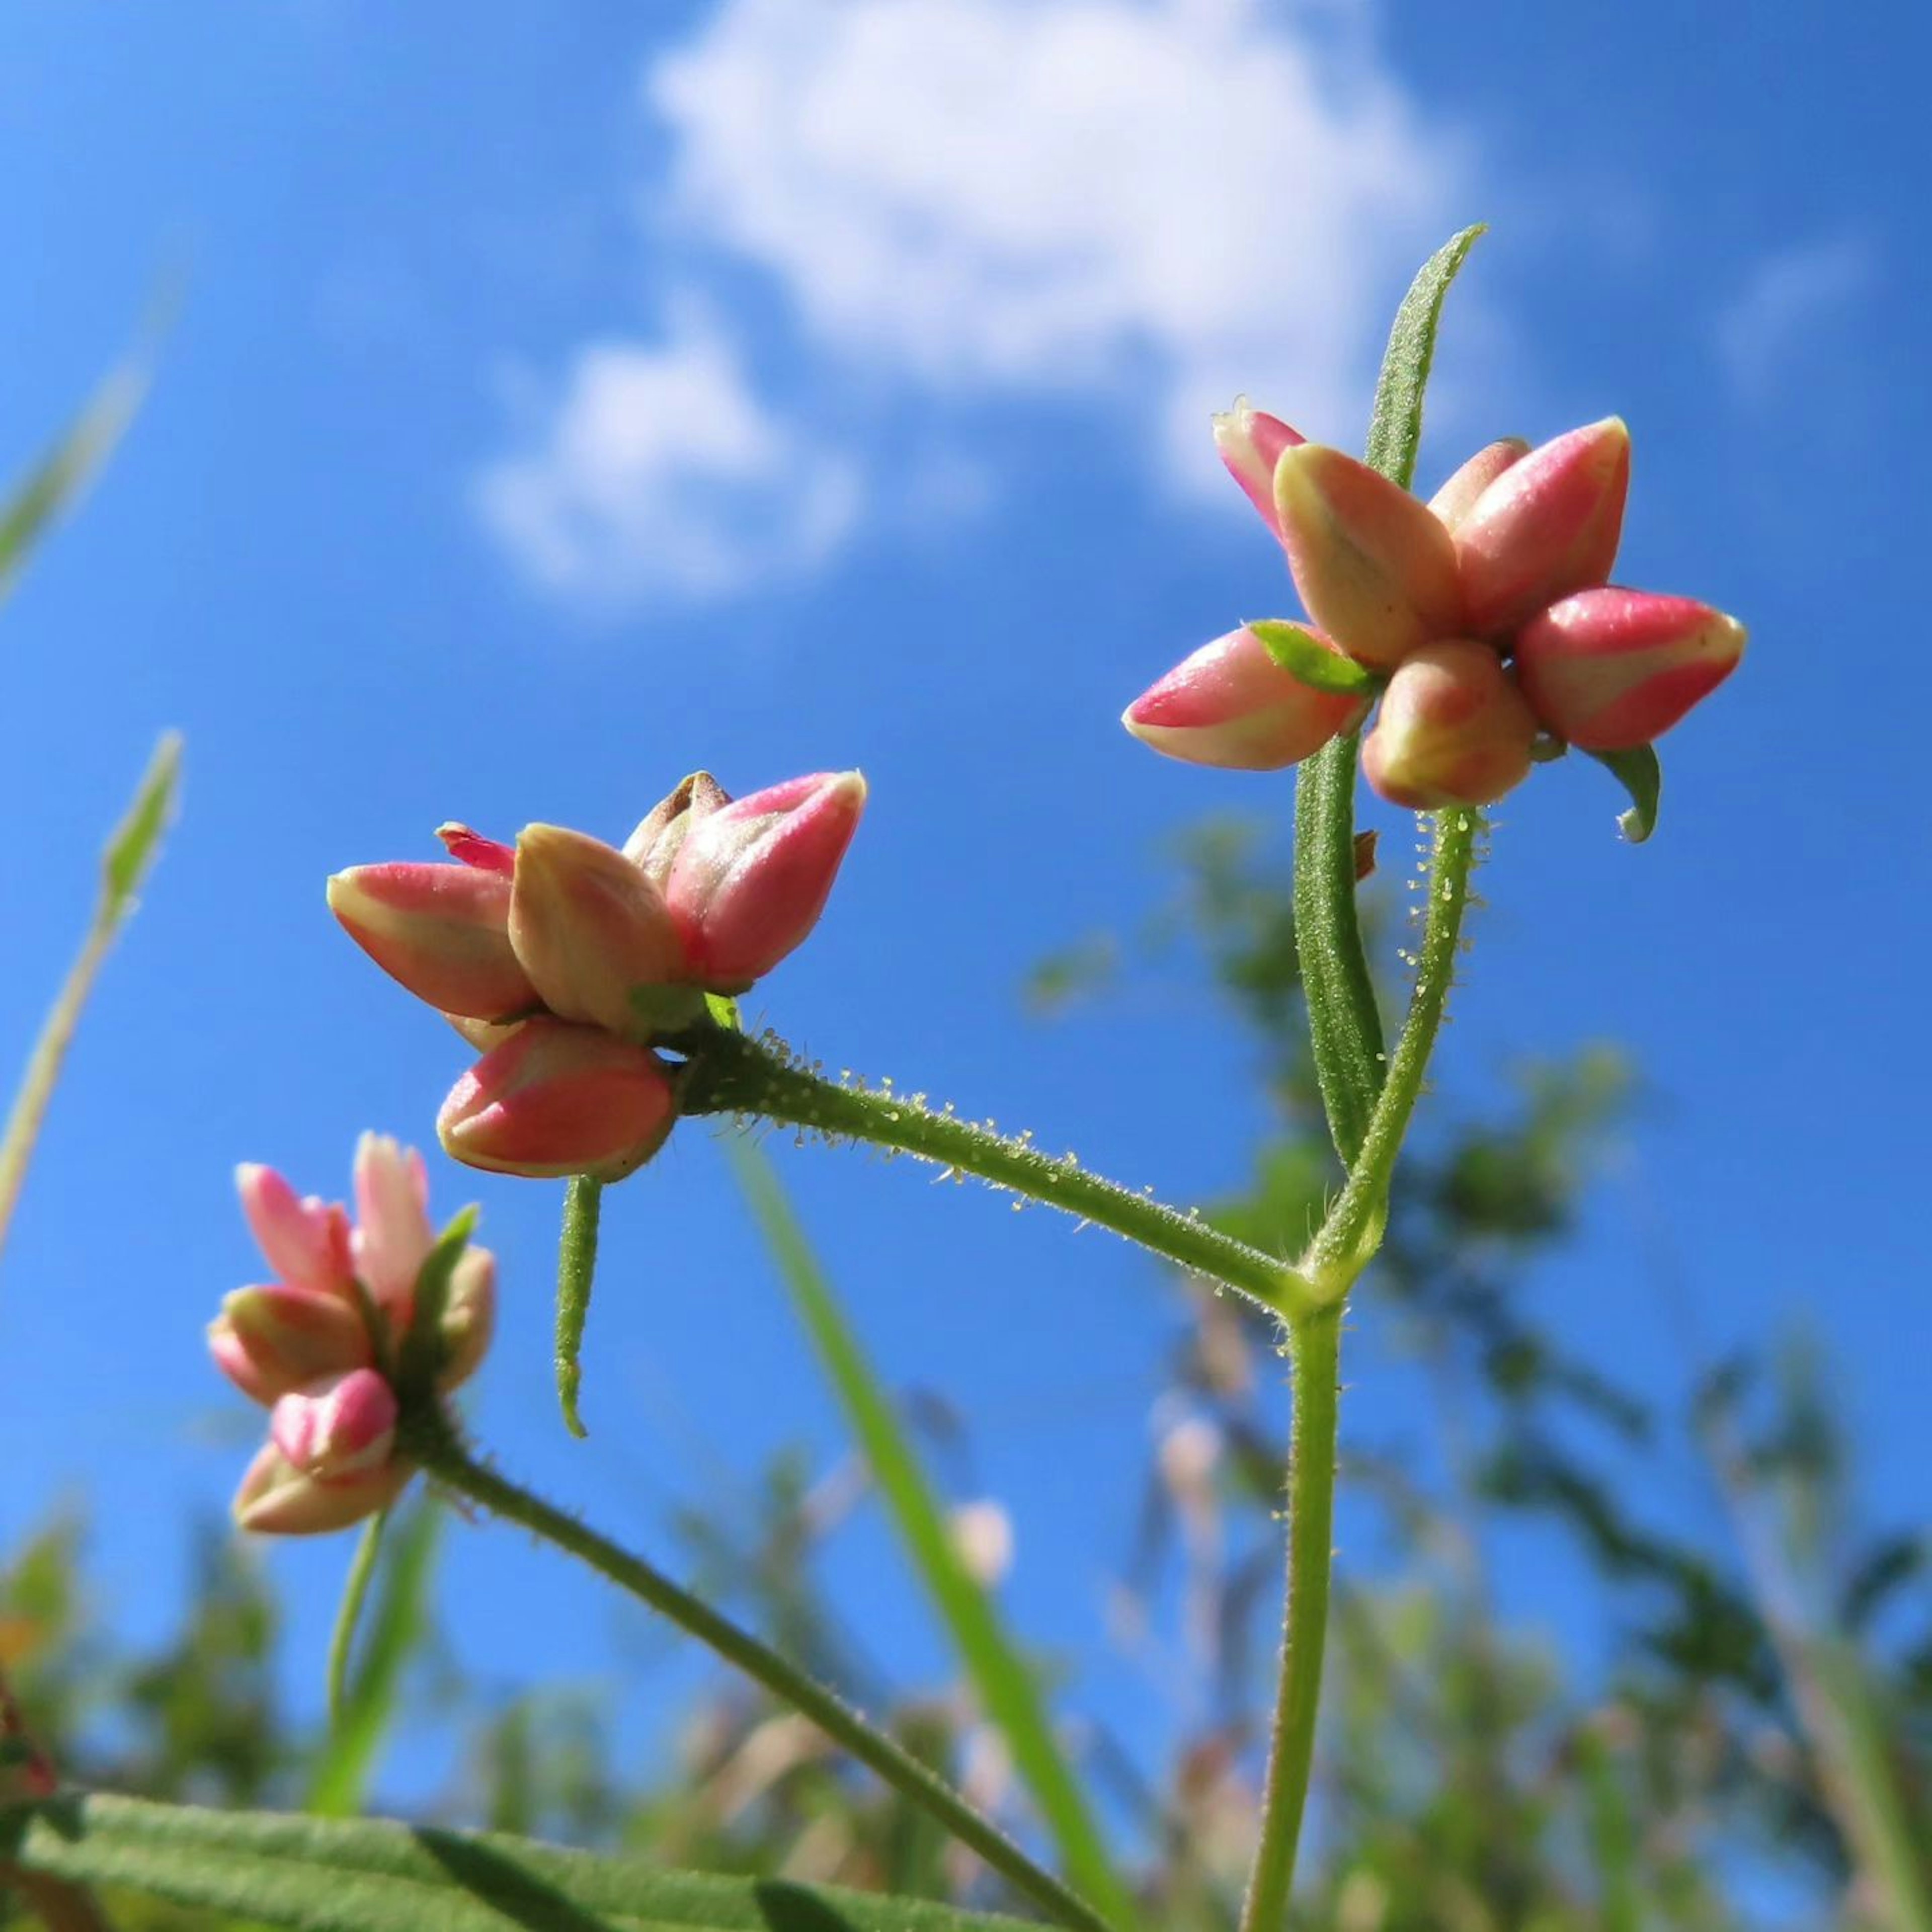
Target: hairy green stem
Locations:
point(576, 1270)
point(732, 1073)
point(1315, 1346)
point(430, 1438)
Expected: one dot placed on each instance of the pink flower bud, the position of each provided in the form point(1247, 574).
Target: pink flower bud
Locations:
point(442, 931)
point(276, 1499)
point(393, 1234)
point(338, 1426)
point(1457, 497)
point(1453, 730)
point(1610, 669)
point(268, 1341)
point(1251, 443)
point(751, 880)
point(306, 1240)
point(468, 1316)
point(1231, 705)
point(1548, 525)
point(589, 927)
point(555, 1099)
point(660, 834)
point(469, 847)
point(1375, 570)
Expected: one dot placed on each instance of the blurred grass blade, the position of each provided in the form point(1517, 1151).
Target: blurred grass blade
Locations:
point(339, 1875)
point(64, 470)
point(339, 1785)
point(1007, 1687)
point(130, 853)
point(1395, 428)
point(349, 1613)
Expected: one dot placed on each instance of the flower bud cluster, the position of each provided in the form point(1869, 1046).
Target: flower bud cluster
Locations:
point(1483, 619)
point(564, 960)
point(315, 1346)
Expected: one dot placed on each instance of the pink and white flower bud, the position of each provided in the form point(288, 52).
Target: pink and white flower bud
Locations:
point(393, 1235)
point(749, 882)
point(555, 1099)
point(1610, 669)
point(1251, 443)
point(1457, 497)
point(304, 1239)
point(339, 1426)
point(1230, 704)
point(468, 846)
point(268, 1341)
point(660, 834)
point(277, 1499)
point(589, 927)
point(1375, 569)
point(442, 931)
point(468, 1316)
point(1453, 730)
point(1549, 524)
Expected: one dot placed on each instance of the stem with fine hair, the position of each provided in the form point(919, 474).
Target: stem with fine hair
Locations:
point(1314, 1350)
point(428, 1437)
point(732, 1073)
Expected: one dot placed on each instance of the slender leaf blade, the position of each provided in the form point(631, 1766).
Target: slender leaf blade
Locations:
point(1296, 650)
point(1640, 775)
point(1395, 428)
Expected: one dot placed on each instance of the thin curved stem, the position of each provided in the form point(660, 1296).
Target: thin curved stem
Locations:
point(1315, 1347)
point(432, 1441)
point(576, 1270)
point(355, 1595)
point(732, 1073)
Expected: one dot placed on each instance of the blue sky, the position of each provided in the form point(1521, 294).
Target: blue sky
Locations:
point(563, 400)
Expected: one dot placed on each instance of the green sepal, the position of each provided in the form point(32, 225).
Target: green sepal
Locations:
point(1309, 662)
point(1640, 775)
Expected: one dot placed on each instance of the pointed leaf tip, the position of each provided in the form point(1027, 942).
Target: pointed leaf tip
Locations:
point(1639, 772)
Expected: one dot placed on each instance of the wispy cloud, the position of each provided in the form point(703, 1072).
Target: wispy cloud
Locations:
point(1151, 204)
point(1793, 305)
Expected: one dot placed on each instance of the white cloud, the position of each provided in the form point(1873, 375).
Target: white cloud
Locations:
point(1794, 300)
point(655, 471)
point(1142, 205)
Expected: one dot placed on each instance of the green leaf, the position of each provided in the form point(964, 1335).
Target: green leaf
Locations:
point(423, 1346)
point(130, 852)
point(54, 483)
point(339, 1875)
point(576, 1273)
point(339, 1784)
point(1006, 1688)
point(1642, 776)
point(1395, 429)
point(1309, 662)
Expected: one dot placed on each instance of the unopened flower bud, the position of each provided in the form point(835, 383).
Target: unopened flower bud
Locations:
point(1457, 497)
point(306, 1239)
point(1230, 704)
point(1251, 443)
point(1453, 730)
point(269, 1340)
point(1548, 525)
point(278, 1499)
point(660, 834)
point(339, 1426)
point(468, 1316)
point(555, 1099)
point(749, 882)
point(393, 1235)
point(589, 927)
point(442, 931)
point(1610, 669)
point(1375, 569)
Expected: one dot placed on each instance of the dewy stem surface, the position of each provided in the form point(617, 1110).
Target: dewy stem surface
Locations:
point(732, 1073)
point(434, 1444)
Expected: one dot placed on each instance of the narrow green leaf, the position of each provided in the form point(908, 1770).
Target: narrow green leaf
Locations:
point(1395, 429)
point(1640, 775)
point(339, 1783)
point(56, 480)
point(356, 1875)
point(576, 1273)
point(1007, 1687)
point(130, 851)
point(1308, 660)
point(349, 1613)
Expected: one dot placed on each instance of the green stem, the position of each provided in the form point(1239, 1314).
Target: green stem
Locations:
point(355, 1595)
point(576, 1270)
point(1315, 1346)
point(432, 1442)
point(731, 1073)
point(1353, 1230)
